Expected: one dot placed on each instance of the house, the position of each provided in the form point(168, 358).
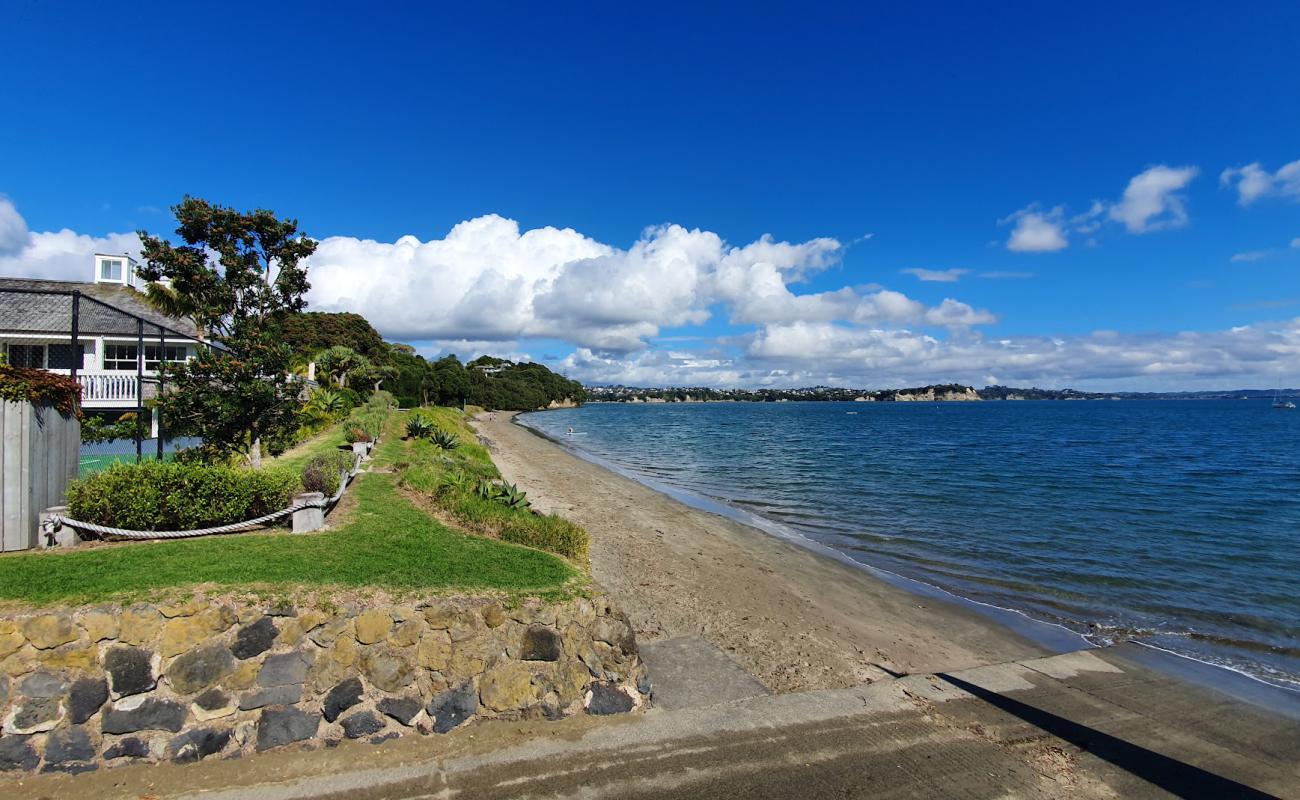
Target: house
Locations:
point(121, 339)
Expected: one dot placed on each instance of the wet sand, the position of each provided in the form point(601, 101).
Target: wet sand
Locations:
point(792, 618)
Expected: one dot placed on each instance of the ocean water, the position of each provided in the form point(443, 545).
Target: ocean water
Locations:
point(1171, 523)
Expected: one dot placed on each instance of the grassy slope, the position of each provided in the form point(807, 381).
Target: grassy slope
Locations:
point(326, 441)
point(388, 544)
point(426, 466)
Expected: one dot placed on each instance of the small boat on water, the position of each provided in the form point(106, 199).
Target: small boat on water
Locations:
point(1280, 403)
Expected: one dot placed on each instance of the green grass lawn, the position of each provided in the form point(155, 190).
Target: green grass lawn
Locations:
point(388, 544)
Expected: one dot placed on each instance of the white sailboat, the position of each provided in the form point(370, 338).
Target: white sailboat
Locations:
point(1280, 403)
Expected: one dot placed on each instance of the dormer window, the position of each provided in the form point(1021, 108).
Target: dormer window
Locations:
point(110, 269)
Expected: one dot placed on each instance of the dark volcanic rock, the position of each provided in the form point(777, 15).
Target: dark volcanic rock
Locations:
point(199, 669)
point(343, 696)
point(151, 715)
point(69, 744)
point(197, 744)
point(43, 684)
point(362, 723)
point(130, 747)
point(253, 640)
point(16, 752)
point(608, 698)
point(274, 696)
point(88, 695)
point(540, 644)
point(212, 699)
point(384, 737)
point(452, 707)
point(34, 714)
point(130, 670)
point(279, 725)
point(402, 709)
point(285, 669)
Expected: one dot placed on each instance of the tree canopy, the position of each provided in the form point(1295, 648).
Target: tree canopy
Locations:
point(237, 274)
point(309, 332)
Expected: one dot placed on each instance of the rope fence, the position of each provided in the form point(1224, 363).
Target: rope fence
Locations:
point(52, 524)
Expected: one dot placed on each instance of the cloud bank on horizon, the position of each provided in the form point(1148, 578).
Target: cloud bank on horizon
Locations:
point(489, 287)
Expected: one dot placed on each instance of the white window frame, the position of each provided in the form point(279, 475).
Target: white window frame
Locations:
point(115, 354)
point(107, 266)
point(173, 354)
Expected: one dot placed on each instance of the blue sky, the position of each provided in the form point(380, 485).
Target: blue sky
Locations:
point(912, 137)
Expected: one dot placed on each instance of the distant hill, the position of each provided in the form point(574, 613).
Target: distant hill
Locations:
point(509, 386)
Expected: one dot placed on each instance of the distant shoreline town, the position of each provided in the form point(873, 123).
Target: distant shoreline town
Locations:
point(948, 392)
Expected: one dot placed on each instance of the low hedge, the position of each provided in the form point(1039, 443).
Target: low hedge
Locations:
point(324, 473)
point(168, 496)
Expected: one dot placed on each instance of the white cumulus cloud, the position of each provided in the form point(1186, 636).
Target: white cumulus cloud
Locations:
point(54, 255)
point(488, 280)
point(1253, 181)
point(1152, 201)
point(13, 228)
point(1037, 231)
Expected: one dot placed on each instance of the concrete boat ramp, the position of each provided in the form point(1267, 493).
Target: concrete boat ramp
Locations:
point(1093, 723)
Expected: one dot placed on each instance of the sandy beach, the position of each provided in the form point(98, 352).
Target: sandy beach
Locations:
point(792, 618)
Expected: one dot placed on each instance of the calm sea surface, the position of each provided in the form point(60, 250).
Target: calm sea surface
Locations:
point(1174, 523)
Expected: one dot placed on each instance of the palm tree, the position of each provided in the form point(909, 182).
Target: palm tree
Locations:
point(168, 301)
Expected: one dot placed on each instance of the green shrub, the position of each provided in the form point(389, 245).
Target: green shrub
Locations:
point(168, 496)
point(96, 429)
point(418, 427)
point(445, 440)
point(323, 473)
point(552, 533)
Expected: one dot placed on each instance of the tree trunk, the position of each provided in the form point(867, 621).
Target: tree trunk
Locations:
point(255, 452)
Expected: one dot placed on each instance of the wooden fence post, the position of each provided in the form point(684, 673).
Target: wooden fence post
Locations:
point(39, 456)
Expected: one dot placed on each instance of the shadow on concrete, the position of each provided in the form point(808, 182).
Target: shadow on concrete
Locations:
point(1174, 776)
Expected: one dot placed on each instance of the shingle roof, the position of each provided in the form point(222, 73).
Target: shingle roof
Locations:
point(52, 313)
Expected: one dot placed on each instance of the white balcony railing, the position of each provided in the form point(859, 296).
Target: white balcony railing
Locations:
point(101, 387)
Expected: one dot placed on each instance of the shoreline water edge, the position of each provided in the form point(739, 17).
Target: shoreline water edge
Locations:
point(1043, 635)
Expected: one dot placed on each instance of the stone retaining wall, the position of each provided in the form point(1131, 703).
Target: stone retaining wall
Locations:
point(103, 686)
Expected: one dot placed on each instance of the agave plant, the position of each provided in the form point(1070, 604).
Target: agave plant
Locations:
point(418, 427)
point(510, 496)
point(444, 440)
point(455, 480)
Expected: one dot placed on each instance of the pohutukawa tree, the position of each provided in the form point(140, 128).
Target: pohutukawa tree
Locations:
point(237, 274)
